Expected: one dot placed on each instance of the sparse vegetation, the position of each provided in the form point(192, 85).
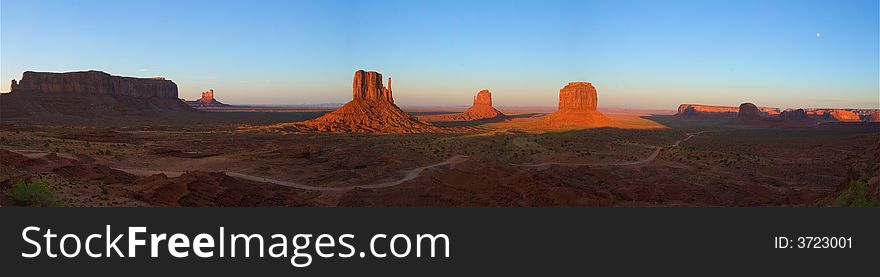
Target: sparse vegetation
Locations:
point(35, 193)
point(856, 195)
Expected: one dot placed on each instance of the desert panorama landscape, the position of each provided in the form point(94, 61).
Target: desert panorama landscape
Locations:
point(92, 139)
point(557, 103)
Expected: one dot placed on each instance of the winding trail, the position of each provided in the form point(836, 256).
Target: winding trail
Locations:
point(650, 158)
point(411, 174)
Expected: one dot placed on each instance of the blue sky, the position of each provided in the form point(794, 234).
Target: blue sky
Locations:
point(639, 54)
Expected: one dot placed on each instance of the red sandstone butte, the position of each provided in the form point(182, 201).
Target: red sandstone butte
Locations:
point(481, 109)
point(371, 110)
point(207, 96)
point(89, 94)
point(578, 103)
point(578, 96)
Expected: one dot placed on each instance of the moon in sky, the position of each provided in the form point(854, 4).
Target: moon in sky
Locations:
point(818, 35)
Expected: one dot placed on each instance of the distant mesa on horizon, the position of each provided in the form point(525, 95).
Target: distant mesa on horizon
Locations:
point(371, 110)
point(842, 115)
point(206, 101)
point(798, 115)
point(709, 111)
point(750, 114)
point(578, 107)
point(43, 95)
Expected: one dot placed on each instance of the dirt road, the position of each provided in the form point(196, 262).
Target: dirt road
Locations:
point(411, 174)
point(650, 158)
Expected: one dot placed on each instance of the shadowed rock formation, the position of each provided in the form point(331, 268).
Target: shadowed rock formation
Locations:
point(89, 94)
point(748, 111)
point(750, 114)
point(874, 117)
point(371, 110)
point(481, 109)
point(799, 115)
point(578, 107)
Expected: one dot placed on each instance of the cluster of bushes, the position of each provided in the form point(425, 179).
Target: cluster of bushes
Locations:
point(35, 193)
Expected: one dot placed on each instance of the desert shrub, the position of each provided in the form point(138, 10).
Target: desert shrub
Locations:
point(856, 195)
point(34, 193)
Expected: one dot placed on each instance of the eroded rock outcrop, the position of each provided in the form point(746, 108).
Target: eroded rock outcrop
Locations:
point(769, 111)
point(578, 96)
point(88, 94)
point(842, 115)
point(481, 109)
point(874, 117)
point(578, 103)
point(207, 100)
point(709, 111)
point(207, 96)
point(799, 115)
point(371, 110)
point(748, 111)
point(368, 86)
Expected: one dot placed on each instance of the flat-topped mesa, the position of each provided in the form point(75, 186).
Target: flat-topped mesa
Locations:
point(50, 96)
point(578, 96)
point(367, 85)
point(706, 110)
point(94, 82)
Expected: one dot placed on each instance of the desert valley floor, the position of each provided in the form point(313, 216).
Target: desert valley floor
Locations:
point(237, 158)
